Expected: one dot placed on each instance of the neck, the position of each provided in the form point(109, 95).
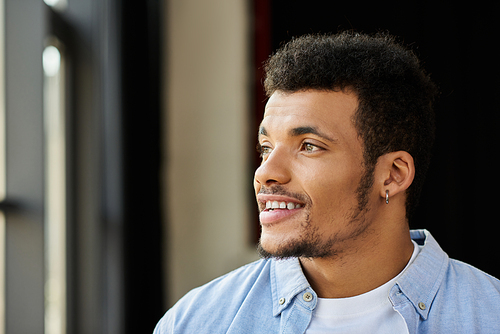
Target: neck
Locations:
point(366, 264)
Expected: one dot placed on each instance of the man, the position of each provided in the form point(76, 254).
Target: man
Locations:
point(345, 144)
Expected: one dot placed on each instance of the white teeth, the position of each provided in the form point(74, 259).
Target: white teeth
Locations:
point(282, 205)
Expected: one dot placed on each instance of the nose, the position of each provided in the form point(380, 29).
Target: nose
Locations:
point(275, 169)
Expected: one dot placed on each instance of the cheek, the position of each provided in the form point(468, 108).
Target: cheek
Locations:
point(333, 188)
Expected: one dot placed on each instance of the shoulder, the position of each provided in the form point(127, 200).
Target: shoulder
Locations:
point(235, 283)
point(217, 302)
point(470, 298)
point(449, 295)
point(471, 282)
point(434, 265)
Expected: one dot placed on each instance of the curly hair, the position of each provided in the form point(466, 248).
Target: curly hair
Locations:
point(395, 94)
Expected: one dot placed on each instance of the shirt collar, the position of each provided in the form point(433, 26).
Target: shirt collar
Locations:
point(287, 280)
point(421, 281)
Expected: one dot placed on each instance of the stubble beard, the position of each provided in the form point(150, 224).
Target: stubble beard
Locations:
point(312, 244)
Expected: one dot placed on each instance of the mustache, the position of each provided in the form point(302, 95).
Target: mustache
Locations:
point(280, 190)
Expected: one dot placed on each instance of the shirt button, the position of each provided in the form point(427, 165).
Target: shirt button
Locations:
point(281, 301)
point(307, 296)
point(421, 306)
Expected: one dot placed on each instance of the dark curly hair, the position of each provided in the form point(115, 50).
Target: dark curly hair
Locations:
point(395, 94)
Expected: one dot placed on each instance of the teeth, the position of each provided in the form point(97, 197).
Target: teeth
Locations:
point(282, 205)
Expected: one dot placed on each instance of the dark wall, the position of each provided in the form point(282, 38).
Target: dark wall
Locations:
point(457, 44)
point(140, 22)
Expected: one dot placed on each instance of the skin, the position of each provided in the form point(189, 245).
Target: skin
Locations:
point(313, 156)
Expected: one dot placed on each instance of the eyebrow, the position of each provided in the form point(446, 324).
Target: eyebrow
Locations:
point(302, 130)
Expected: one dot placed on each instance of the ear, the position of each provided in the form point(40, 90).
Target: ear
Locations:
point(397, 171)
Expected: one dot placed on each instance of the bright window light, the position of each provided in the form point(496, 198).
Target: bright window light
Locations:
point(55, 191)
point(51, 61)
point(57, 4)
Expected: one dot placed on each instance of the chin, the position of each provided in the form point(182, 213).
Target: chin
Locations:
point(268, 248)
point(311, 247)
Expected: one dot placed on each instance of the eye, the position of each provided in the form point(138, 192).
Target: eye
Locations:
point(263, 150)
point(310, 148)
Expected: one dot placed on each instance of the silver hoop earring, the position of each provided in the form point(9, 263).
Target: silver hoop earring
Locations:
point(387, 197)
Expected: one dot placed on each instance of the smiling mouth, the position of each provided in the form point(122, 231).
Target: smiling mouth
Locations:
point(278, 211)
point(273, 205)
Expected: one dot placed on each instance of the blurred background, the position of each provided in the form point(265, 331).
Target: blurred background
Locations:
point(127, 136)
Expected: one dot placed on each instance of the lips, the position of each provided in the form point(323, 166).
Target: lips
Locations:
point(276, 208)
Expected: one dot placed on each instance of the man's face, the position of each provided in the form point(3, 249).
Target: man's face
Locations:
point(308, 184)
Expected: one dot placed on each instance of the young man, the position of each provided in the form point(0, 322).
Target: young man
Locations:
point(345, 143)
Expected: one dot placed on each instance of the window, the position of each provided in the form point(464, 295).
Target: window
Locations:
point(64, 267)
point(55, 231)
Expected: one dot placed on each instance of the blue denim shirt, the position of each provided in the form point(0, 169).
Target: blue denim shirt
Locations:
point(434, 295)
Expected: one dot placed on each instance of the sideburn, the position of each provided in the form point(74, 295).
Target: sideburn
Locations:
point(364, 187)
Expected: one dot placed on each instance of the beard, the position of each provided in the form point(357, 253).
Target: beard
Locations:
point(312, 244)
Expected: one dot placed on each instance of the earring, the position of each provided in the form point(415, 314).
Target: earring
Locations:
point(387, 197)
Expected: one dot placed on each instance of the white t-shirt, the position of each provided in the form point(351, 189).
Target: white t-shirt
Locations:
point(370, 312)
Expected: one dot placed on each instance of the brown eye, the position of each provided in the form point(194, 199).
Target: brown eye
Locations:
point(263, 150)
point(310, 148)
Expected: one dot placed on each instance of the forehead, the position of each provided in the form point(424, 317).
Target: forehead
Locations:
point(328, 111)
